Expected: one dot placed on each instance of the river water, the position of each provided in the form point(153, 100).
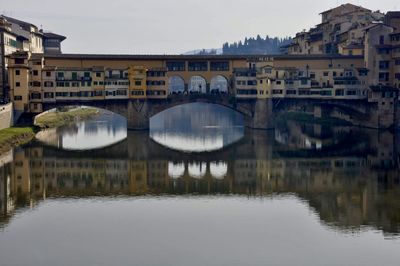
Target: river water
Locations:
point(199, 189)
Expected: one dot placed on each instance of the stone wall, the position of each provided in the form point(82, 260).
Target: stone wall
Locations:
point(6, 116)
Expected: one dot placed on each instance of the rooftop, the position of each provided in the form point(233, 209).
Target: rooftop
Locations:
point(192, 57)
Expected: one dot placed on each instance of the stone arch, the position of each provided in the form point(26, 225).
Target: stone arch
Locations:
point(197, 84)
point(219, 85)
point(176, 85)
point(54, 107)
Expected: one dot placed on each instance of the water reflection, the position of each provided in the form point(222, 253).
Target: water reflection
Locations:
point(100, 131)
point(272, 198)
point(350, 183)
point(197, 127)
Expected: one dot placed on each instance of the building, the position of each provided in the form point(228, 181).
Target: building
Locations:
point(341, 31)
point(52, 42)
point(17, 35)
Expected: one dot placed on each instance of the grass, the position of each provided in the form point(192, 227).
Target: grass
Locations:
point(15, 136)
point(58, 119)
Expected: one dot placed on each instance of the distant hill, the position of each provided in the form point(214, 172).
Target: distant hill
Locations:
point(256, 45)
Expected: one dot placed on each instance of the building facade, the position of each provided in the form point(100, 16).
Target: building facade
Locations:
point(17, 35)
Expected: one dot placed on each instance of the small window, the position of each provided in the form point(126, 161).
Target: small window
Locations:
point(17, 72)
point(17, 98)
point(48, 73)
point(98, 74)
point(138, 83)
point(35, 72)
point(17, 84)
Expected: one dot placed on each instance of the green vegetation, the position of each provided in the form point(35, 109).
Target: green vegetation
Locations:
point(256, 45)
point(15, 136)
point(308, 118)
point(57, 119)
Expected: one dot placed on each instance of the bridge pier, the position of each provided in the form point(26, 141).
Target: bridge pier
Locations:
point(262, 115)
point(138, 115)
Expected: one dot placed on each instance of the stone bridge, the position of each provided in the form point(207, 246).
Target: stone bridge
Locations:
point(356, 112)
point(258, 113)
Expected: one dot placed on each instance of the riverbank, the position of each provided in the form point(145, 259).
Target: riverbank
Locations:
point(15, 136)
point(58, 119)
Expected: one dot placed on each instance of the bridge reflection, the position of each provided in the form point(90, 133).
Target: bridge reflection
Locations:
point(350, 181)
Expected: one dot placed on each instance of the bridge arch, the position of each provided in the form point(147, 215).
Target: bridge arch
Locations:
point(176, 85)
point(219, 85)
point(197, 84)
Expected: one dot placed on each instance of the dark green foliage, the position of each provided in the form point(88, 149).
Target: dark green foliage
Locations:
point(256, 46)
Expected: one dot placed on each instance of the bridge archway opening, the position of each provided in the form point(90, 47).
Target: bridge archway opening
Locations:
point(197, 84)
point(176, 85)
point(85, 127)
point(219, 85)
point(198, 127)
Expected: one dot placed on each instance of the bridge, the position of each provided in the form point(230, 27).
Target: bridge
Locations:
point(257, 113)
point(141, 86)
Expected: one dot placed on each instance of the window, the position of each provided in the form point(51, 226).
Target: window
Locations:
point(60, 74)
point(17, 98)
point(383, 64)
point(17, 84)
point(219, 66)
point(198, 66)
point(86, 74)
point(381, 39)
point(339, 92)
point(19, 60)
point(176, 66)
point(36, 96)
point(74, 76)
point(48, 95)
point(98, 74)
point(326, 74)
point(17, 72)
point(48, 84)
point(35, 72)
point(137, 93)
point(48, 74)
point(384, 77)
point(138, 83)
point(98, 93)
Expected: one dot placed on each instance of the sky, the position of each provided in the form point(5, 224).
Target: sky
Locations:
point(170, 26)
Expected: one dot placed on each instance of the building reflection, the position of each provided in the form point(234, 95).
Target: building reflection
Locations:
point(351, 180)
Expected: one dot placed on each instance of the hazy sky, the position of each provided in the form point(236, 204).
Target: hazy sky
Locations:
point(170, 26)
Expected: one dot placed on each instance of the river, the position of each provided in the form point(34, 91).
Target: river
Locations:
point(200, 189)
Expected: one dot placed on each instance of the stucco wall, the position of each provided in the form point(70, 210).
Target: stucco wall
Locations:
point(6, 116)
